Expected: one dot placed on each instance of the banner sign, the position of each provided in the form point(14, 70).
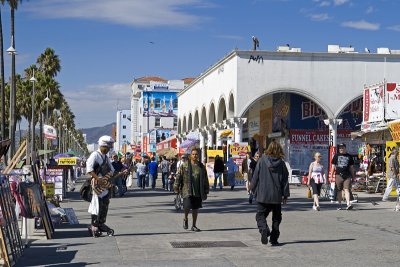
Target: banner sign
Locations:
point(389, 146)
point(374, 104)
point(392, 101)
point(67, 161)
point(394, 128)
point(49, 132)
point(214, 153)
point(239, 150)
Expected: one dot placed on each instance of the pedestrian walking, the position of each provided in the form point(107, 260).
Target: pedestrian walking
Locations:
point(100, 169)
point(252, 167)
point(270, 184)
point(245, 172)
point(164, 165)
point(342, 165)
point(119, 170)
point(231, 169)
point(192, 183)
point(153, 172)
point(316, 178)
point(218, 171)
point(141, 171)
point(393, 176)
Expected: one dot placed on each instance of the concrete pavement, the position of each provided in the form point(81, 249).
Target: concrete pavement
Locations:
point(146, 223)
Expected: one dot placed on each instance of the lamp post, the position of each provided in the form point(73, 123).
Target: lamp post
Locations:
point(11, 133)
point(33, 80)
point(47, 99)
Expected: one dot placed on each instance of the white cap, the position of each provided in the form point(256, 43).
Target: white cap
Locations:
point(106, 140)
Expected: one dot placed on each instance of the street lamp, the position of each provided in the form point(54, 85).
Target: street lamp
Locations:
point(47, 99)
point(33, 80)
point(11, 133)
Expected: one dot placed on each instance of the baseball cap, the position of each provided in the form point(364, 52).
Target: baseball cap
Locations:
point(185, 156)
point(342, 145)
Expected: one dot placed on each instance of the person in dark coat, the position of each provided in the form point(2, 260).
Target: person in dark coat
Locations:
point(218, 171)
point(271, 186)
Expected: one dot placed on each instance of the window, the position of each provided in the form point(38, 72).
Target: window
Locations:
point(175, 122)
point(175, 103)
point(124, 136)
point(123, 126)
point(157, 123)
point(158, 103)
point(124, 116)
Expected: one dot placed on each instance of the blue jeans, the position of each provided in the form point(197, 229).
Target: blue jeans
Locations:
point(153, 178)
point(138, 184)
point(119, 183)
point(147, 180)
point(216, 176)
point(165, 180)
point(142, 181)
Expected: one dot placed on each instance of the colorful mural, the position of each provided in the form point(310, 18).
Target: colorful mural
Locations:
point(160, 104)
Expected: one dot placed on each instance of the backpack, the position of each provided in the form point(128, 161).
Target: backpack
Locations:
point(86, 190)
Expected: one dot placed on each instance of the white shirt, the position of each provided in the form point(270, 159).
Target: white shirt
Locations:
point(98, 157)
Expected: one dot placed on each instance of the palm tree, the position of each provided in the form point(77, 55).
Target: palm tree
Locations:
point(3, 87)
point(49, 63)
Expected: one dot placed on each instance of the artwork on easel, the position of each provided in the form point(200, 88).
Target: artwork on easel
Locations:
point(10, 239)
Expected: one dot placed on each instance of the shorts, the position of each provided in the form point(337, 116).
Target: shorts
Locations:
point(342, 183)
point(245, 176)
point(192, 203)
point(316, 188)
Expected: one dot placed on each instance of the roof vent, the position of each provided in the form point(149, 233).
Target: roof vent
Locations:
point(286, 48)
point(339, 49)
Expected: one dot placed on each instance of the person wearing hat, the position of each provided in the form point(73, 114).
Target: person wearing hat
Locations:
point(393, 175)
point(99, 167)
point(342, 165)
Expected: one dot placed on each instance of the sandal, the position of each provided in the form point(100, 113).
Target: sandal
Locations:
point(195, 229)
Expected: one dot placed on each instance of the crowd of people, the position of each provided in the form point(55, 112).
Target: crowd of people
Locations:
point(266, 178)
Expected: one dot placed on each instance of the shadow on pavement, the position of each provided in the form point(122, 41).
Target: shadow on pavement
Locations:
point(317, 241)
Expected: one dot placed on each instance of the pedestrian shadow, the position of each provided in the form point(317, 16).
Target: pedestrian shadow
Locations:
point(317, 241)
point(157, 233)
point(229, 229)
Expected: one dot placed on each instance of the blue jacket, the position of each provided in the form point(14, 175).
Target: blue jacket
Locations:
point(153, 168)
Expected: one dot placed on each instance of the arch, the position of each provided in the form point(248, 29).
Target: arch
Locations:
point(346, 104)
point(312, 97)
point(211, 114)
point(221, 115)
point(203, 117)
point(196, 120)
point(184, 125)
point(231, 106)
point(190, 122)
point(179, 126)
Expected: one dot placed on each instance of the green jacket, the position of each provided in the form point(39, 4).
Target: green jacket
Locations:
point(183, 182)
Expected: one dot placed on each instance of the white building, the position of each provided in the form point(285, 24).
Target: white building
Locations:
point(287, 95)
point(123, 130)
point(154, 110)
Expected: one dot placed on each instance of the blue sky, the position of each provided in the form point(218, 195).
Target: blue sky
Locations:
point(103, 45)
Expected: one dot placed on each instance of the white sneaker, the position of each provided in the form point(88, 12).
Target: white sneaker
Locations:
point(397, 208)
point(315, 207)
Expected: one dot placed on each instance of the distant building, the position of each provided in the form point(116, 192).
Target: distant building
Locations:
point(92, 147)
point(123, 130)
point(154, 110)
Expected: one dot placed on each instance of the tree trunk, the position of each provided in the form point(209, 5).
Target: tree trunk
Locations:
point(40, 130)
point(13, 125)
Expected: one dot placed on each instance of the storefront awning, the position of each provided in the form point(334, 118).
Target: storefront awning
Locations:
point(226, 133)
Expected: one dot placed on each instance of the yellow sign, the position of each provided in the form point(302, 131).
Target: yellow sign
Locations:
point(214, 153)
point(239, 150)
point(67, 161)
point(389, 146)
point(394, 128)
point(49, 189)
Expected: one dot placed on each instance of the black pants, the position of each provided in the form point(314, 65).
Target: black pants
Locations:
point(98, 220)
point(261, 217)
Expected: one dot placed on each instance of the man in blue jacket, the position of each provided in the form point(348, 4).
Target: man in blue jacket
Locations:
point(153, 172)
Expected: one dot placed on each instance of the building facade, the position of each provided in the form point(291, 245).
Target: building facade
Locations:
point(154, 111)
point(306, 101)
point(123, 131)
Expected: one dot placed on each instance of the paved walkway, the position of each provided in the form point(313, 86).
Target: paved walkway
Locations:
point(146, 223)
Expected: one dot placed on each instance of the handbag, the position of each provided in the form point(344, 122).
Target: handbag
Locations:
point(129, 181)
point(86, 191)
point(308, 192)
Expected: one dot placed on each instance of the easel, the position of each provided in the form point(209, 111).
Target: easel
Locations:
point(11, 244)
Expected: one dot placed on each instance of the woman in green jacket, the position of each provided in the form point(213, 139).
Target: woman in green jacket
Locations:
point(192, 183)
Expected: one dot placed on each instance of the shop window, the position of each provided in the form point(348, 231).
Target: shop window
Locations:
point(175, 122)
point(175, 103)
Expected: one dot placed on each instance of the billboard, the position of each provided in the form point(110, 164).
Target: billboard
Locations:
point(160, 104)
point(49, 132)
point(392, 101)
point(374, 104)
